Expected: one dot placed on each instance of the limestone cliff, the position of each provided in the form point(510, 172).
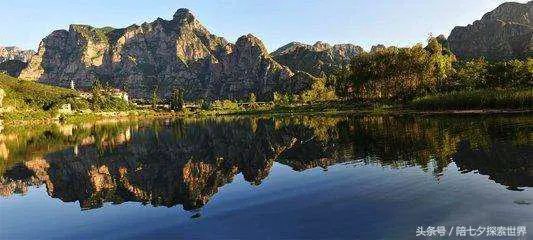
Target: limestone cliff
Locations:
point(161, 55)
point(504, 33)
point(15, 53)
point(320, 58)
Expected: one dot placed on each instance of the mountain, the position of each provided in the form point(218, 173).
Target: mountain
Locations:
point(15, 53)
point(161, 56)
point(13, 67)
point(315, 59)
point(504, 33)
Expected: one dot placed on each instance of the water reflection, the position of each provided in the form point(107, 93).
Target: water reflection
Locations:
point(185, 162)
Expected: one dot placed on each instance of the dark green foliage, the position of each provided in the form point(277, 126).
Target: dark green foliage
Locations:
point(13, 67)
point(398, 73)
point(147, 69)
point(104, 99)
point(205, 105)
point(480, 74)
point(112, 103)
point(403, 74)
point(155, 98)
point(97, 92)
point(478, 99)
point(176, 100)
point(92, 33)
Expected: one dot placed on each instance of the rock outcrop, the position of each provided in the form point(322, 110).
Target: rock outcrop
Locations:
point(15, 53)
point(377, 48)
point(161, 55)
point(13, 67)
point(318, 59)
point(504, 33)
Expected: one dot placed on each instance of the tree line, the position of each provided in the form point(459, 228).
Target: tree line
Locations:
point(402, 74)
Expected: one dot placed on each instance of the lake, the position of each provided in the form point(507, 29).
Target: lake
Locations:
point(345, 176)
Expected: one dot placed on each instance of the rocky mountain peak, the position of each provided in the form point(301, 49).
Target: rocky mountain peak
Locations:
point(512, 12)
point(315, 59)
point(504, 33)
point(162, 56)
point(292, 46)
point(321, 46)
point(378, 47)
point(250, 41)
point(183, 15)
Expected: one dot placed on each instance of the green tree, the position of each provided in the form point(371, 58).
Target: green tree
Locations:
point(434, 46)
point(278, 98)
point(471, 75)
point(155, 98)
point(400, 73)
point(97, 92)
point(176, 100)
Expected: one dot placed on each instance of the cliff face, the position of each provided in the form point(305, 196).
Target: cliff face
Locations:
point(505, 33)
point(160, 56)
point(15, 53)
point(315, 59)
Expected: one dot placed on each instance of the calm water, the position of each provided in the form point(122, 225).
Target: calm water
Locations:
point(287, 177)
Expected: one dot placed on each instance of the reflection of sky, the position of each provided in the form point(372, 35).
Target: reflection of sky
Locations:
point(345, 201)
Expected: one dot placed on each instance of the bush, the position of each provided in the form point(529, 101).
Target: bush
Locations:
point(225, 105)
point(479, 99)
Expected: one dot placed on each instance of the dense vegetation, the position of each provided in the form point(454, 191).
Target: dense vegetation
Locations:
point(476, 99)
point(432, 75)
point(104, 99)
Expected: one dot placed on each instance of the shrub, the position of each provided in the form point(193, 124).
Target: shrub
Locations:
point(225, 105)
point(478, 99)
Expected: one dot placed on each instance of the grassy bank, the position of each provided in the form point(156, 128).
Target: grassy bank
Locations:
point(28, 102)
point(479, 99)
point(28, 96)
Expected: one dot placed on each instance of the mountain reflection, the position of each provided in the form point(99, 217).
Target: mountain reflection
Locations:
point(185, 162)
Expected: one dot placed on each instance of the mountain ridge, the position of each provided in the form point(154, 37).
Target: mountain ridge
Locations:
point(161, 56)
point(317, 59)
point(8, 53)
point(503, 33)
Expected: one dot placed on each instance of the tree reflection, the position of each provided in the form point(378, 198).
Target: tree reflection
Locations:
point(185, 161)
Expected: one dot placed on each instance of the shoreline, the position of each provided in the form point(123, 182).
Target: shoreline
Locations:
point(143, 114)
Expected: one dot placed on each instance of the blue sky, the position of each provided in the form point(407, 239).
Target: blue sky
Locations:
point(277, 22)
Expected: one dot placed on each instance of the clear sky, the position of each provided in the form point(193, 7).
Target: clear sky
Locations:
point(277, 22)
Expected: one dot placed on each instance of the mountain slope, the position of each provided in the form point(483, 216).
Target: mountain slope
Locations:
point(315, 59)
point(504, 33)
point(159, 57)
point(25, 95)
